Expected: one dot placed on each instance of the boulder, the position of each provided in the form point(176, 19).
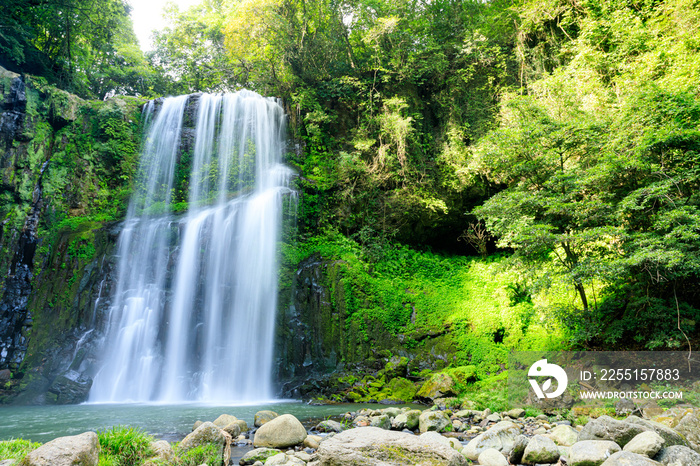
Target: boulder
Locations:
point(329, 426)
point(281, 432)
point(670, 436)
point(433, 420)
point(284, 459)
point(64, 108)
point(626, 458)
point(500, 437)
point(439, 385)
point(468, 413)
point(452, 442)
point(163, 450)
point(651, 410)
point(492, 457)
point(625, 406)
point(306, 457)
point(261, 417)
point(233, 429)
point(196, 424)
point(438, 438)
point(408, 420)
point(678, 455)
point(224, 420)
point(647, 444)
point(383, 422)
point(203, 435)
point(564, 435)
point(687, 423)
point(7, 74)
point(312, 441)
point(592, 452)
point(607, 428)
point(493, 417)
point(71, 387)
point(372, 446)
point(242, 425)
point(515, 455)
point(391, 412)
point(361, 421)
point(515, 413)
point(76, 450)
point(540, 449)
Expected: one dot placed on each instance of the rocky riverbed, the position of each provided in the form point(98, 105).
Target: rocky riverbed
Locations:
point(405, 436)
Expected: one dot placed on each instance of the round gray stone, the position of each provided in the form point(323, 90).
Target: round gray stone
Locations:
point(647, 443)
point(626, 458)
point(540, 449)
point(492, 457)
point(281, 432)
point(592, 452)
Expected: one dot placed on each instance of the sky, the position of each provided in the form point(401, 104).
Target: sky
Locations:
point(147, 15)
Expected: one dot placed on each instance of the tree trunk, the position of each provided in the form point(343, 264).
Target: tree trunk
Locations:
point(582, 293)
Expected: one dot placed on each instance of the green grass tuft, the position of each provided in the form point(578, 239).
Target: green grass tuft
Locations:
point(16, 449)
point(209, 454)
point(126, 446)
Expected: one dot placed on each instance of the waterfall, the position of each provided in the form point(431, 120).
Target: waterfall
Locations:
point(194, 308)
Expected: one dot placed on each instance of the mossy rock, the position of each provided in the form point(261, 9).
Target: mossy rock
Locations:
point(463, 374)
point(402, 389)
point(395, 368)
point(439, 385)
point(64, 108)
point(259, 454)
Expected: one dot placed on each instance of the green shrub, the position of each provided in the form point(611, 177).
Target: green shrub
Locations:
point(128, 446)
point(209, 454)
point(16, 449)
point(532, 412)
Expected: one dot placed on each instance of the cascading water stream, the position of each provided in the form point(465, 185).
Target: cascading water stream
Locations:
point(194, 309)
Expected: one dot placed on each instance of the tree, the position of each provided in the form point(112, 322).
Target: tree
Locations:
point(190, 50)
point(547, 213)
point(83, 46)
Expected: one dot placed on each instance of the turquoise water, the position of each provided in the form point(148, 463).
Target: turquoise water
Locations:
point(168, 422)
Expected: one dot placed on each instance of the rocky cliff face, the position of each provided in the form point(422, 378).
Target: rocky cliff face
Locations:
point(14, 321)
point(65, 166)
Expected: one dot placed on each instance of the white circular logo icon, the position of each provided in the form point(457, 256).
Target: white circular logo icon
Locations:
point(543, 369)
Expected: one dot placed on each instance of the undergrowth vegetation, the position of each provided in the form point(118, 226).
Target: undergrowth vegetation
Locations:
point(16, 449)
point(204, 454)
point(474, 303)
point(124, 446)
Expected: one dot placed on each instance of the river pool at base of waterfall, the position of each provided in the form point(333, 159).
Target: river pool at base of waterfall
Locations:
point(168, 422)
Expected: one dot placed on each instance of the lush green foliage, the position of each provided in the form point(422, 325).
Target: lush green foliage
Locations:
point(599, 161)
point(383, 96)
point(566, 133)
point(16, 449)
point(422, 293)
point(191, 49)
point(84, 46)
point(126, 446)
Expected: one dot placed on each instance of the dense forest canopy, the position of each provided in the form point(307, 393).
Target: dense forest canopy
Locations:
point(566, 133)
